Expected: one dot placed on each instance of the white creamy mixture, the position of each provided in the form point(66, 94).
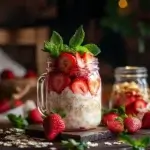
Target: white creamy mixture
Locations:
point(82, 111)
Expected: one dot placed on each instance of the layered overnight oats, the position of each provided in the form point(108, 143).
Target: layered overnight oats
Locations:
point(130, 88)
point(72, 84)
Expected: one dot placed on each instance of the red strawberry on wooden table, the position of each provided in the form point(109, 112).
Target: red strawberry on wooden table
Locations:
point(132, 124)
point(115, 126)
point(4, 105)
point(59, 82)
point(109, 117)
point(7, 74)
point(146, 121)
point(66, 62)
point(17, 102)
point(79, 86)
point(53, 125)
point(35, 116)
point(30, 74)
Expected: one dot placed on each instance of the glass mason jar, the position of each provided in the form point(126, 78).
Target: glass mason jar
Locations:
point(130, 85)
point(79, 98)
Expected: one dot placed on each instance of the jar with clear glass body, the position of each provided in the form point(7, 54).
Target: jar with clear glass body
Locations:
point(130, 85)
point(79, 98)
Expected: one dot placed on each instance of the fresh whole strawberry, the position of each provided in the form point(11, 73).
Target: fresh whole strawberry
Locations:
point(59, 82)
point(53, 125)
point(66, 62)
point(132, 124)
point(30, 74)
point(109, 117)
point(4, 105)
point(7, 74)
point(115, 126)
point(146, 121)
point(79, 86)
point(35, 116)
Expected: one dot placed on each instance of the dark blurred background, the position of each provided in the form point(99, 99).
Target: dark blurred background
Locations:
point(121, 28)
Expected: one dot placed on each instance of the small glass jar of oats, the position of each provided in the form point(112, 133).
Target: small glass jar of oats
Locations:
point(130, 85)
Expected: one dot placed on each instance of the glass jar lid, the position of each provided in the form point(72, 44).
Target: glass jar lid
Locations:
point(131, 71)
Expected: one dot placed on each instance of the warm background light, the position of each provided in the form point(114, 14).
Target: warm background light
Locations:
point(123, 3)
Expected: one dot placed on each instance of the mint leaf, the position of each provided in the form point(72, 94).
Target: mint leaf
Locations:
point(94, 49)
point(71, 144)
point(51, 48)
point(81, 49)
point(17, 121)
point(127, 139)
point(56, 39)
point(145, 141)
point(77, 38)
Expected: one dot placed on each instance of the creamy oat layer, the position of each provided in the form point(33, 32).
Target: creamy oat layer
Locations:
point(82, 111)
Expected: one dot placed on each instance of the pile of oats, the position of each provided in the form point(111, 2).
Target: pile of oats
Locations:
point(16, 138)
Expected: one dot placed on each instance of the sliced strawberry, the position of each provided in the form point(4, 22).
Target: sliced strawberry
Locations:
point(80, 61)
point(139, 104)
point(129, 100)
point(93, 85)
point(88, 57)
point(66, 62)
point(59, 82)
point(130, 110)
point(79, 86)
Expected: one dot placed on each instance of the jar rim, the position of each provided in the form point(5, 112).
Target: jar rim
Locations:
point(131, 71)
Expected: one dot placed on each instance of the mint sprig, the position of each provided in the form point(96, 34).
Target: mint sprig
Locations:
point(17, 121)
point(55, 45)
point(56, 39)
point(94, 49)
point(137, 144)
point(77, 38)
point(71, 144)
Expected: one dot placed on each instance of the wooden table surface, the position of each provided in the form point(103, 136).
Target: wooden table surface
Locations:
point(56, 145)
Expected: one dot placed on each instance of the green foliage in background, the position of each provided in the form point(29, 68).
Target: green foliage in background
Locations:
point(124, 23)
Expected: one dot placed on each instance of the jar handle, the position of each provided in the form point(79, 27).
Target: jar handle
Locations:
point(41, 102)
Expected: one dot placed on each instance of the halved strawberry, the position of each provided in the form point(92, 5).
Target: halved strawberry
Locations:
point(134, 107)
point(80, 61)
point(93, 85)
point(88, 57)
point(66, 62)
point(139, 104)
point(59, 82)
point(79, 86)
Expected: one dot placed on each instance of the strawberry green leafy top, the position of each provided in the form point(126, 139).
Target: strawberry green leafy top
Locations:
point(55, 45)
